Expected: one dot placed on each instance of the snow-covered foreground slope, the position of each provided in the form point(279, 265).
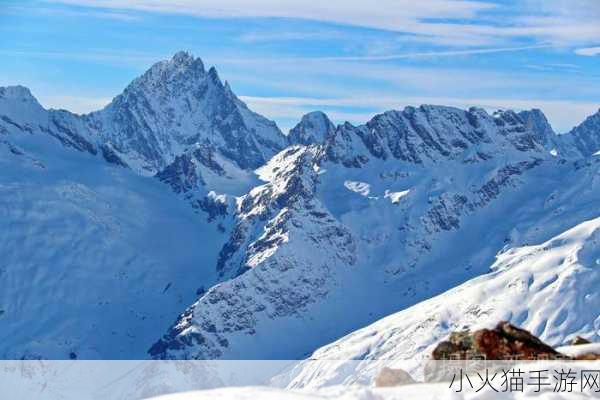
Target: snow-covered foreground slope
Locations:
point(549, 288)
point(431, 391)
point(95, 260)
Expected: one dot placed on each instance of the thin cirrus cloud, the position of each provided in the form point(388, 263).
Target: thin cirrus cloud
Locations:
point(388, 14)
point(439, 22)
point(588, 51)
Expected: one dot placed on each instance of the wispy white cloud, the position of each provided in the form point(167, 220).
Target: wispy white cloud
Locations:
point(95, 55)
point(588, 51)
point(76, 13)
point(434, 54)
point(442, 22)
point(388, 14)
point(76, 104)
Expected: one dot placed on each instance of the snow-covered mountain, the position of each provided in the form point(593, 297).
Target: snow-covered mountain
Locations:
point(160, 115)
point(176, 104)
point(375, 219)
point(96, 258)
point(177, 221)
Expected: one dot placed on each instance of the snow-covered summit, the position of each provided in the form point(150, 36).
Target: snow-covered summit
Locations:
point(313, 128)
point(177, 103)
point(586, 136)
point(17, 92)
point(159, 115)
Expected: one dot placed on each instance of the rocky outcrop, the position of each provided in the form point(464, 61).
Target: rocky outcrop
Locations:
point(536, 122)
point(579, 341)
point(504, 342)
point(429, 134)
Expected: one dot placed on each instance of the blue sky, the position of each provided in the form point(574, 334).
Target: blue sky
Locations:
point(351, 59)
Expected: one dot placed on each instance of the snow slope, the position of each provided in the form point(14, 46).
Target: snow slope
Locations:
point(431, 391)
point(549, 289)
point(95, 259)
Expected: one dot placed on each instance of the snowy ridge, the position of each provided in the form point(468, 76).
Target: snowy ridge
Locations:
point(431, 134)
point(549, 289)
point(276, 281)
point(585, 137)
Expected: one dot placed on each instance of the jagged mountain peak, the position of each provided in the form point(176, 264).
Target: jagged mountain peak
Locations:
point(16, 92)
point(586, 136)
point(314, 127)
point(177, 103)
point(536, 121)
point(18, 103)
point(183, 57)
point(182, 71)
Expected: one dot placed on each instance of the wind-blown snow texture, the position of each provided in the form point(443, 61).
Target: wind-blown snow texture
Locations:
point(178, 203)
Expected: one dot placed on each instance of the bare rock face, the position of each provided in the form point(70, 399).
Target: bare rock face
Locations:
point(579, 341)
point(504, 342)
point(389, 377)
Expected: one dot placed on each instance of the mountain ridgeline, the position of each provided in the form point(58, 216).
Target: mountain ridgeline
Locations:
point(228, 239)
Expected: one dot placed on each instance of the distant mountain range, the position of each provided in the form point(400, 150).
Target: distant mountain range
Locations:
point(176, 223)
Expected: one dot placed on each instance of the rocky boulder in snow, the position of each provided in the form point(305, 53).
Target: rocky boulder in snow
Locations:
point(504, 342)
point(393, 377)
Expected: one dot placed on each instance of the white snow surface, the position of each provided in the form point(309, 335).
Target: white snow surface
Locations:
point(549, 288)
point(361, 188)
point(395, 197)
point(95, 258)
point(420, 391)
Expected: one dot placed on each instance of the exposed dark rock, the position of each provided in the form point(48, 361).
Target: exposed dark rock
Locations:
point(111, 156)
point(579, 341)
point(504, 342)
